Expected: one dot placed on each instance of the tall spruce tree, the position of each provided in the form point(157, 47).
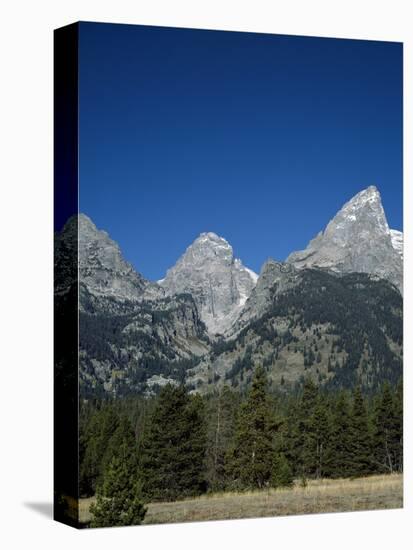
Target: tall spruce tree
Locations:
point(361, 452)
point(387, 437)
point(338, 453)
point(221, 414)
point(282, 474)
point(173, 447)
point(398, 410)
point(250, 460)
point(308, 429)
point(321, 428)
point(94, 440)
point(119, 499)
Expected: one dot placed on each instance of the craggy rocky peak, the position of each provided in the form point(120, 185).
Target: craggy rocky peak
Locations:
point(219, 283)
point(357, 239)
point(103, 269)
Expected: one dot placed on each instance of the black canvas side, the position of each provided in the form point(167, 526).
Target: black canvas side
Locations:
point(66, 399)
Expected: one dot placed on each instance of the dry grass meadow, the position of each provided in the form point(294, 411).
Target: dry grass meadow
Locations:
point(320, 496)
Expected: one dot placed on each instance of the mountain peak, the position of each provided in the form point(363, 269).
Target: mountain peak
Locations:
point(218, 282)
point(212, 240)
point(367, 198)
point(210, 236)
point(370, 191)
point(357, 239)
point(85, 222)
point(102, 267)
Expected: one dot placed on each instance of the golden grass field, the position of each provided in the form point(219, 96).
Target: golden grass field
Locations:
point(320, 496)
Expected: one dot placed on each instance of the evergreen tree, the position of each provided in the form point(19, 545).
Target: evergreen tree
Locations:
point(123, 438)
point(307, 428)
point(173, 446)
point(321, 428)
point(360, 460)
point(387, 436)
point(220, 414)
point(338, 453)
point(94, 440)
point(119, 500)
point(250, 460)
point(282, 475)
point(398, 410)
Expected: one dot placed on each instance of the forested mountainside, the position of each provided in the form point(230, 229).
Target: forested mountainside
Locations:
point(339, 329)
point(131, 347)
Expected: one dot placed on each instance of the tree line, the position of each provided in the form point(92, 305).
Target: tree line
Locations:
point(179, 444)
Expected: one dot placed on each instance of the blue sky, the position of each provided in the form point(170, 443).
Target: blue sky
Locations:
point(259, 138)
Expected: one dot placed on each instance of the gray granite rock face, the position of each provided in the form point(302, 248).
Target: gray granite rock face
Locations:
point(357, 239)
point(397, 241)
point(219, 283)
point(103, 269)
point(149, 333)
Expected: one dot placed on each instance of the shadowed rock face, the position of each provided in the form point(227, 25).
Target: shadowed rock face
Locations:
point(130, 331)
point(357, 239)
point(275, 278)
point(219, 283)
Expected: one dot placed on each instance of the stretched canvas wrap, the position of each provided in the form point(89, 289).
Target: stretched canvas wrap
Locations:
point(228, 275)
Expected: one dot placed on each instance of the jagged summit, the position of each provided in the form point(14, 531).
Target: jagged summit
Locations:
point(218, 282)
point(84, 220)
point(209, 245)
point(370, 194)
point(357, 239)
point(210, 236)
point(367, 200)
point(104, 271)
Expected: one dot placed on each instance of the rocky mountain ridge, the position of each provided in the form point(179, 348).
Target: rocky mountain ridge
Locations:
point(211, 318)
point(104, 271)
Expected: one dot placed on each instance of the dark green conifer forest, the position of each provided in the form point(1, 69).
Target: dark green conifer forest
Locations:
point(179, 444)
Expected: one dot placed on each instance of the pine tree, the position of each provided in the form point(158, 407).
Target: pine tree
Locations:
point(94, 440)
point(307, 428)
point(288, 437)
point(122, 437)
point(321, 427)
point(398, 410)
point(173, 446)
point(387, 435)
point(119, 500)
point(360, 459)
point(282, 475)
point(338, 453)
point(250, 460)
point(220, 413)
